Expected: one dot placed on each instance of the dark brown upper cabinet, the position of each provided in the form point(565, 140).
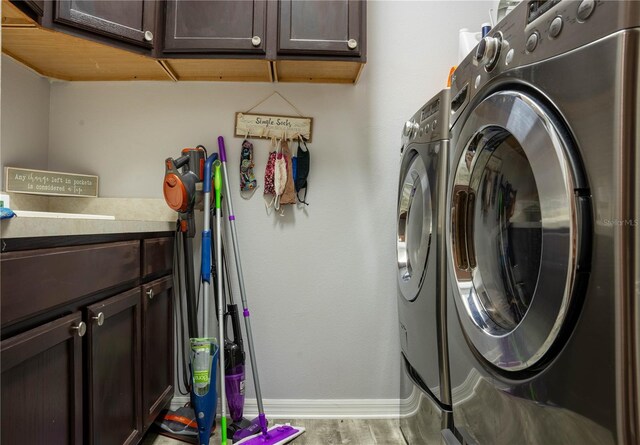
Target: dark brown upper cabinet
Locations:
point(215, 26)
point(322, 27)
point(130, 21)
point(33, 8)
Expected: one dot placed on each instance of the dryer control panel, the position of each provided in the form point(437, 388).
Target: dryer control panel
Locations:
point(430, 123)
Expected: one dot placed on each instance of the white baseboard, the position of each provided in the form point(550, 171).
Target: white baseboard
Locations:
point(317, 408)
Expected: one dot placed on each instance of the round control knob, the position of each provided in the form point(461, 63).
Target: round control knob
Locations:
point(488, 52)
point(256, 40)
point(409, 128)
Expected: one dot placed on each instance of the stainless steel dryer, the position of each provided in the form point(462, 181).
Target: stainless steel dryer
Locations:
point(543, 203)
point(422, 272)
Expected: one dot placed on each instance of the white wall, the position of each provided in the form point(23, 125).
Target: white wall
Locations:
point(321, 281)
point(24, 128)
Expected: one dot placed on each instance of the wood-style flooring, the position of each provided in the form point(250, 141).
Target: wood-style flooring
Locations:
point(324, 432)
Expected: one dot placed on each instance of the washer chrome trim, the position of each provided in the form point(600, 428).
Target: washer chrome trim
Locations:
point(523, 346)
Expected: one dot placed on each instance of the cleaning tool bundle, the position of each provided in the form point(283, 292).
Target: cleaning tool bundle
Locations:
point(267, 436)
point(179, 189)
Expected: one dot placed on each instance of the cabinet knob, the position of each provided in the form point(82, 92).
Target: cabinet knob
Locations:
point(148, 36)
point(352, 43)
point(150, 294)
point(99, 318)
point(80, 328)
point(256, 41)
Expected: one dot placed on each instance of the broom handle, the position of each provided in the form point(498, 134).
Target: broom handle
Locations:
point(243, 294)
point(223, 401)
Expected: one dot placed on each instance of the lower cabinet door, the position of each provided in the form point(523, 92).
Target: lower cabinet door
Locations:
point(115, 378)
point(42, 384)
point(157, 347)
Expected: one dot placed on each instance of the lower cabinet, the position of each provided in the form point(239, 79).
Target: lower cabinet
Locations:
point(42, 384)
point(102, 374)
point(115, 369)
point(157, 347)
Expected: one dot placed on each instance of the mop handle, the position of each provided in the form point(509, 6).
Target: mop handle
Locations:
point(243, 294)
point(223, 401)
point(205, 261)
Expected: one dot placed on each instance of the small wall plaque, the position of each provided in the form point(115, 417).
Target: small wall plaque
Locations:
point(268, 126)
point(42, 182)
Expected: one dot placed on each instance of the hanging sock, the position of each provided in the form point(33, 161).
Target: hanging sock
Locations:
point(289, 192)
point(303, 164)
point(248, 182)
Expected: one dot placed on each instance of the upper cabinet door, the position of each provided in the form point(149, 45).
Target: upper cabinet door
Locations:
point(215, 26)
point(130, 21)
point(332, 27)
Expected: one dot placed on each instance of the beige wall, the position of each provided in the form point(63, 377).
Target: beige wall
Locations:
point(321, 280)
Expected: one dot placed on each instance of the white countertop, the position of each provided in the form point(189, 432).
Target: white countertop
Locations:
point(62, 216)
point(22, 227)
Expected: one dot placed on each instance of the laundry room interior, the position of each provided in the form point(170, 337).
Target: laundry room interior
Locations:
point(320, 222)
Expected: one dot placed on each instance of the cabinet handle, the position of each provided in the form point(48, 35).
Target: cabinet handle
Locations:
point(256, 40)
point(148, 36)
point(99, 318)
point(150, 294)
point(352, 43)
point(80, 329)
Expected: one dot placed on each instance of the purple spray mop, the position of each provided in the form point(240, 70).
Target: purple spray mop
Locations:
point(278, 434)
point(234, 366)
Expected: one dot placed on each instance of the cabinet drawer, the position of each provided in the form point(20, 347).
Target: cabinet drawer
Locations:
point(157, 256)
point(38, 280)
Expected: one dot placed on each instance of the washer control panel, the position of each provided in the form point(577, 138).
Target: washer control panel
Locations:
point(537, 30)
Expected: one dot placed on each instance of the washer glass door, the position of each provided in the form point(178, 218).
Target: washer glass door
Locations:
point(415, 221)
point(513, 230)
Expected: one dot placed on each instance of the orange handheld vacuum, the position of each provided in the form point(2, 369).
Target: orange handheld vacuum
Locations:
point(179, 189)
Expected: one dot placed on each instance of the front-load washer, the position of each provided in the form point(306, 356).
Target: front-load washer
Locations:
point(421, 271)
point(542, 241)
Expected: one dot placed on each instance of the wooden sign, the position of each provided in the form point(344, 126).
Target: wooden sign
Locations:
point(268, 126)
point(42, 182)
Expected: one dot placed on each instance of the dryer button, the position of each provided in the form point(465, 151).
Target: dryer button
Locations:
point(555, 27)
point(532, 42)
point(585, 9)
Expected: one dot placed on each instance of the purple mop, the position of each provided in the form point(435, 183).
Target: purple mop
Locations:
point(276, 435)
